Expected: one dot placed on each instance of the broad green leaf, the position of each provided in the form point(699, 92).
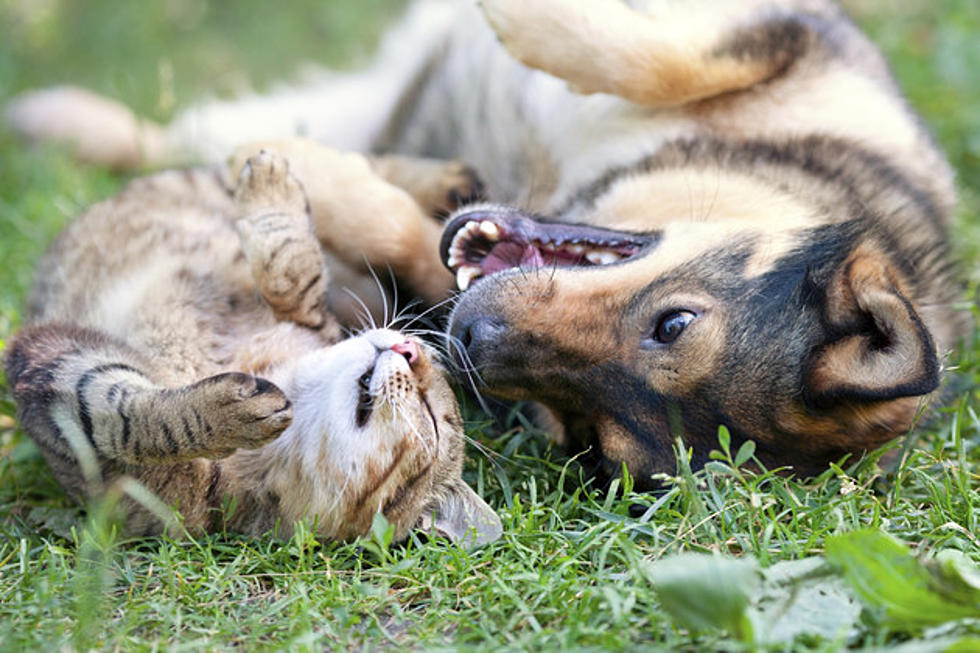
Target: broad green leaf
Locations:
point(940, 645)
point(805, 597)
point(890, 580)
point(724, 439)
point(703, 592)
point(744, 453)
point(965, 645)
point(382, 531)
point(956, 578)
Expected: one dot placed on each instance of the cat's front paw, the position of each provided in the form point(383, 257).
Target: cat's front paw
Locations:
point(265, 184)
point(242, 411)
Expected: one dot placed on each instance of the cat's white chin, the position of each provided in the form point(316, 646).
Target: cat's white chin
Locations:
point(350, 394)
point(360, 414)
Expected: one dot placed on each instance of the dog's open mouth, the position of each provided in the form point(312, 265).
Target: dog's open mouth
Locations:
point(478, 243)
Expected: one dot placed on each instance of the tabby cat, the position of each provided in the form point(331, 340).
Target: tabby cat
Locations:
point(179, 335)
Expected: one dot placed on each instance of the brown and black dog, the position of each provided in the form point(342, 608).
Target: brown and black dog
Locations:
point(704, 213)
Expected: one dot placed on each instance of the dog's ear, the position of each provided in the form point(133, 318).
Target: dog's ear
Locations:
point(880, 348)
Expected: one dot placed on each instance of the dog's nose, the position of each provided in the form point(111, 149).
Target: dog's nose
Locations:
point(476, 335)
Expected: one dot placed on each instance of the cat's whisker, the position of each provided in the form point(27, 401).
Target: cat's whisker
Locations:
point(340, 493)
point(381, 290)
point(394, 299)
point(364, 316)
point(434, 307)
point(403, 314)
point(414, 430)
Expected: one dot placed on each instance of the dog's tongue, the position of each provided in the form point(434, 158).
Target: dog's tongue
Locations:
point(508, 255)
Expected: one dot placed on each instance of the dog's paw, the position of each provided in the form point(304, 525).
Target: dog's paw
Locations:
point(241, 411)
point(459, 185)
point(265, 185)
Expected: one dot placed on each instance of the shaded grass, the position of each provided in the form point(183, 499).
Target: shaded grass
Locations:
point(565, 573)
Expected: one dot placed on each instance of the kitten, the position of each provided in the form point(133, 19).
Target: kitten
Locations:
point(179, 335)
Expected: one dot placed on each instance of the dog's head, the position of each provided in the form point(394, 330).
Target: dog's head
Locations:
point(792, 330)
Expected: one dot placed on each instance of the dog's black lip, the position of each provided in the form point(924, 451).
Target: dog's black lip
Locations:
point(527, 227)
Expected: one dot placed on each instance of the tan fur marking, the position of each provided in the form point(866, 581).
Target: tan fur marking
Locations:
point(733, 207)
point(661, 58)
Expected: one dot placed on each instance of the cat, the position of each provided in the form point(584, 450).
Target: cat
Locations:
point(179, 334)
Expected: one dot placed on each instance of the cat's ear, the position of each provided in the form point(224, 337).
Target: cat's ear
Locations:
point(463, 517)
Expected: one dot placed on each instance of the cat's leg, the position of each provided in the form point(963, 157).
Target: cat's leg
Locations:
point(88, 399)
point(280, 243)
point(659, 54)
point(361, 218)
point(92, 406)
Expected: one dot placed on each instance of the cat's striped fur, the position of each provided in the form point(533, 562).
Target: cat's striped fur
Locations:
point(179, 335)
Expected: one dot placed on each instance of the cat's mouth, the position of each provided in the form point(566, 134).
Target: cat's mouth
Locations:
point(390, 381)
point(483, 241)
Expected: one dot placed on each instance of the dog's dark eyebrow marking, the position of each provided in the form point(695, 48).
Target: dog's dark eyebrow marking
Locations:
point(726, 263)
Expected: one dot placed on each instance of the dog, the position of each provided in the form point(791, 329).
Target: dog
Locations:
point(698, 214)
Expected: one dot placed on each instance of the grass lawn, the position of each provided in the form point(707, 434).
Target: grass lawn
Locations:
point(573, 568)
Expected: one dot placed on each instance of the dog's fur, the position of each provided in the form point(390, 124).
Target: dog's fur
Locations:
point(771, 217)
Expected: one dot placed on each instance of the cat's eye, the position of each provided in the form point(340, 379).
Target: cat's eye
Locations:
point(671, 325)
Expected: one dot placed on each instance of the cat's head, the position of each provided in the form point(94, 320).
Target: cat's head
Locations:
point(379, 430)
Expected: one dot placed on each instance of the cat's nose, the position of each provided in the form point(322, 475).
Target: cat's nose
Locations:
point(409, 349)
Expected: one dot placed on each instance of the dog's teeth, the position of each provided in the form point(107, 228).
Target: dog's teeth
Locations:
point(605, 258)
point(575, 249)
point(548, 247)
point(472, 227)
point(458, 240)
point(489, 230)
point(453, 259)
point(465, 276)
point(594, 257)
point(456, 249)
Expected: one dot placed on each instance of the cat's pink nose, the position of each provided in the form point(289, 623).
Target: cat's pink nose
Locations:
point(409, 349)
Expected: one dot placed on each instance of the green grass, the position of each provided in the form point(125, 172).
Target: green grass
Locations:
point(568, 571)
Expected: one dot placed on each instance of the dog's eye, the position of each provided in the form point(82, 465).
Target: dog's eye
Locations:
point(672, 325)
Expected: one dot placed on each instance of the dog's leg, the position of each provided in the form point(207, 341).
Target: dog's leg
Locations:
point(439, 187)
point(668, 55)
point(362, 219)
point(344, 110)
point(98, 129)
